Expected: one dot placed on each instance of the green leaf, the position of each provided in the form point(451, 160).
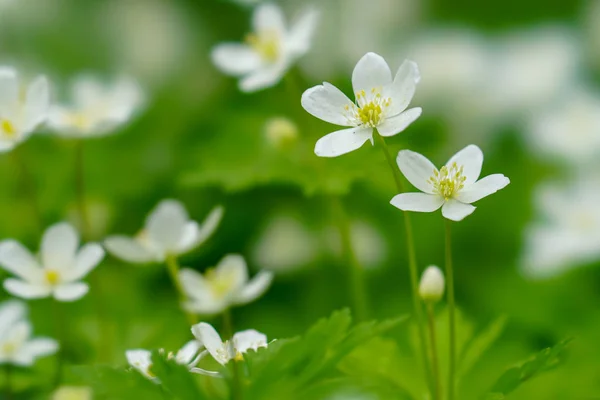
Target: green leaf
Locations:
point(480, 344)
point(117, 384)
point(516, 376)
point(176, 379)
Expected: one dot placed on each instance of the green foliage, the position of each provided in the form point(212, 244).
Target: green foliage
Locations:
point(110, 383)
point(516, 376)
point(479, 344)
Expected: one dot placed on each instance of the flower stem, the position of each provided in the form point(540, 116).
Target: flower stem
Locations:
point(60, 325)
point(357, 281)
point(173, 269)
point(451, 312)
point(29, 188)
point(412, 260)
point(236, 383)
point(434, 353)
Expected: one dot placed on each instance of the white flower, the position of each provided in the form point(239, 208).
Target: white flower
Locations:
point(380, 104)
point(168, 231)
point(141, 359)
point(60, 267)
point(431, 287)
point(96, 109)
point(453, 187)
point(17, 347)
point(73, 393)
point(233, 349)
point(268, 52)
point(22, 109)
point(222, 287)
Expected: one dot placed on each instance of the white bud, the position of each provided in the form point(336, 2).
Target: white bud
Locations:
point(281, 132)
point(431, 288)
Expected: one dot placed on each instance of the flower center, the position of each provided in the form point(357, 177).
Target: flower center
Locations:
point(52, 277)
point(9, 348)
point(220, 284)
point(266, 44)
point(448, 181)
point(8, 129)
point(369, 109)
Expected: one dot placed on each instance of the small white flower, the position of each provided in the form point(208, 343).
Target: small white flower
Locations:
point(168, 231)
point(453, 187)
point(96, 109)
point(381, 104)
point(268, 52)
point(431, 287)
point(60, 267)
point(222, 287)
point(233, 349)
point(17, 347)
point(141, 359)
point(22, 109)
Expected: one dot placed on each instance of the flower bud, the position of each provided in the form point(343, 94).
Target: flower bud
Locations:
point(431, 288)
point(281, 133)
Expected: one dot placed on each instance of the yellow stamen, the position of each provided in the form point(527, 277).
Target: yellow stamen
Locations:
point(220, 284)
point(448, 181)
point(8, 128)
point(266, 44)
point(52, 277)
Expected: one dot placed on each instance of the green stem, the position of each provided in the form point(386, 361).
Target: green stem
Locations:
point(356, 281)
point(236, 383)
point(60, 325)
point(412, 259)
point(80, 189)
point(173, 269)
point(8, 393)
point(434, 353)
point(451, 312)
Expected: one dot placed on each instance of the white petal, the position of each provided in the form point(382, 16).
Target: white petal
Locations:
point(233, 268)
point(205, 372)
point(166, 224)
point(342, 142)
point(301, 32)
point(417, 169)
point(208, 306)
point(208, 336)
point(255, 288)
point(235, 58)
point(249, 339)
point(194, 284)
point(456, 211)
point(26, 290)
point(268, 17)
point(194, 234)
point(263, 78)
point(39, 347)
point(128, 249)
point(482, 188)
point(37, 103)
point(87, 259)
point(403, 88)
point(140, 359)
point(471, 158)
point(11, 311)
point(15, 258)
point(59, 246)
point(327, 102)
point(9, 88)
point(71, 291)
point(371, 72)
point(395, 125)
point(420, 202)
point(188, 352)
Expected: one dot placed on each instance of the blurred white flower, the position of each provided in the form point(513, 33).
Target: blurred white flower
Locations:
point(22, 109)
point(233, 349)
point(141, 359)
point(570, 131)
point(96, 108)
point(431, 287)
point(284, 245)
point(268, 52)
point(60, 267)
point(73, 393)
point(568, 233)
point(380, 104)
point(168, 231)
point(224, 286)
point(281, 132)
point(453, 187)
point(17, 347)
point(368, 243)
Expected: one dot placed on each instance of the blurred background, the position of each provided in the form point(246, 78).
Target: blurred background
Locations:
point(519, 79)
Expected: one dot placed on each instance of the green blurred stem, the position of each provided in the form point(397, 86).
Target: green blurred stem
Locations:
point(29, 187)
point(451, 312)
point(60, 325)
point(357, 279)
point(8, 382)
point(236, 383)
point(173, 269)
point(412, 259)
point(80, 189)
point(434, 353)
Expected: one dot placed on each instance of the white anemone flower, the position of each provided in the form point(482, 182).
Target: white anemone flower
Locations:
point(270, 51)
point(58, 271)
point(17, 347)
point(233, 349)
point(168, 231)
point(381, 103)
point(222, 287)
point(453, 187)
point(22, 109)
point(141, 359)
point(96, 109)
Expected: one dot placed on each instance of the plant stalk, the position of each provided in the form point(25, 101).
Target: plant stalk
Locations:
point(173, 269)
point(451, 313)
point(437, 394)
point(236, 383)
